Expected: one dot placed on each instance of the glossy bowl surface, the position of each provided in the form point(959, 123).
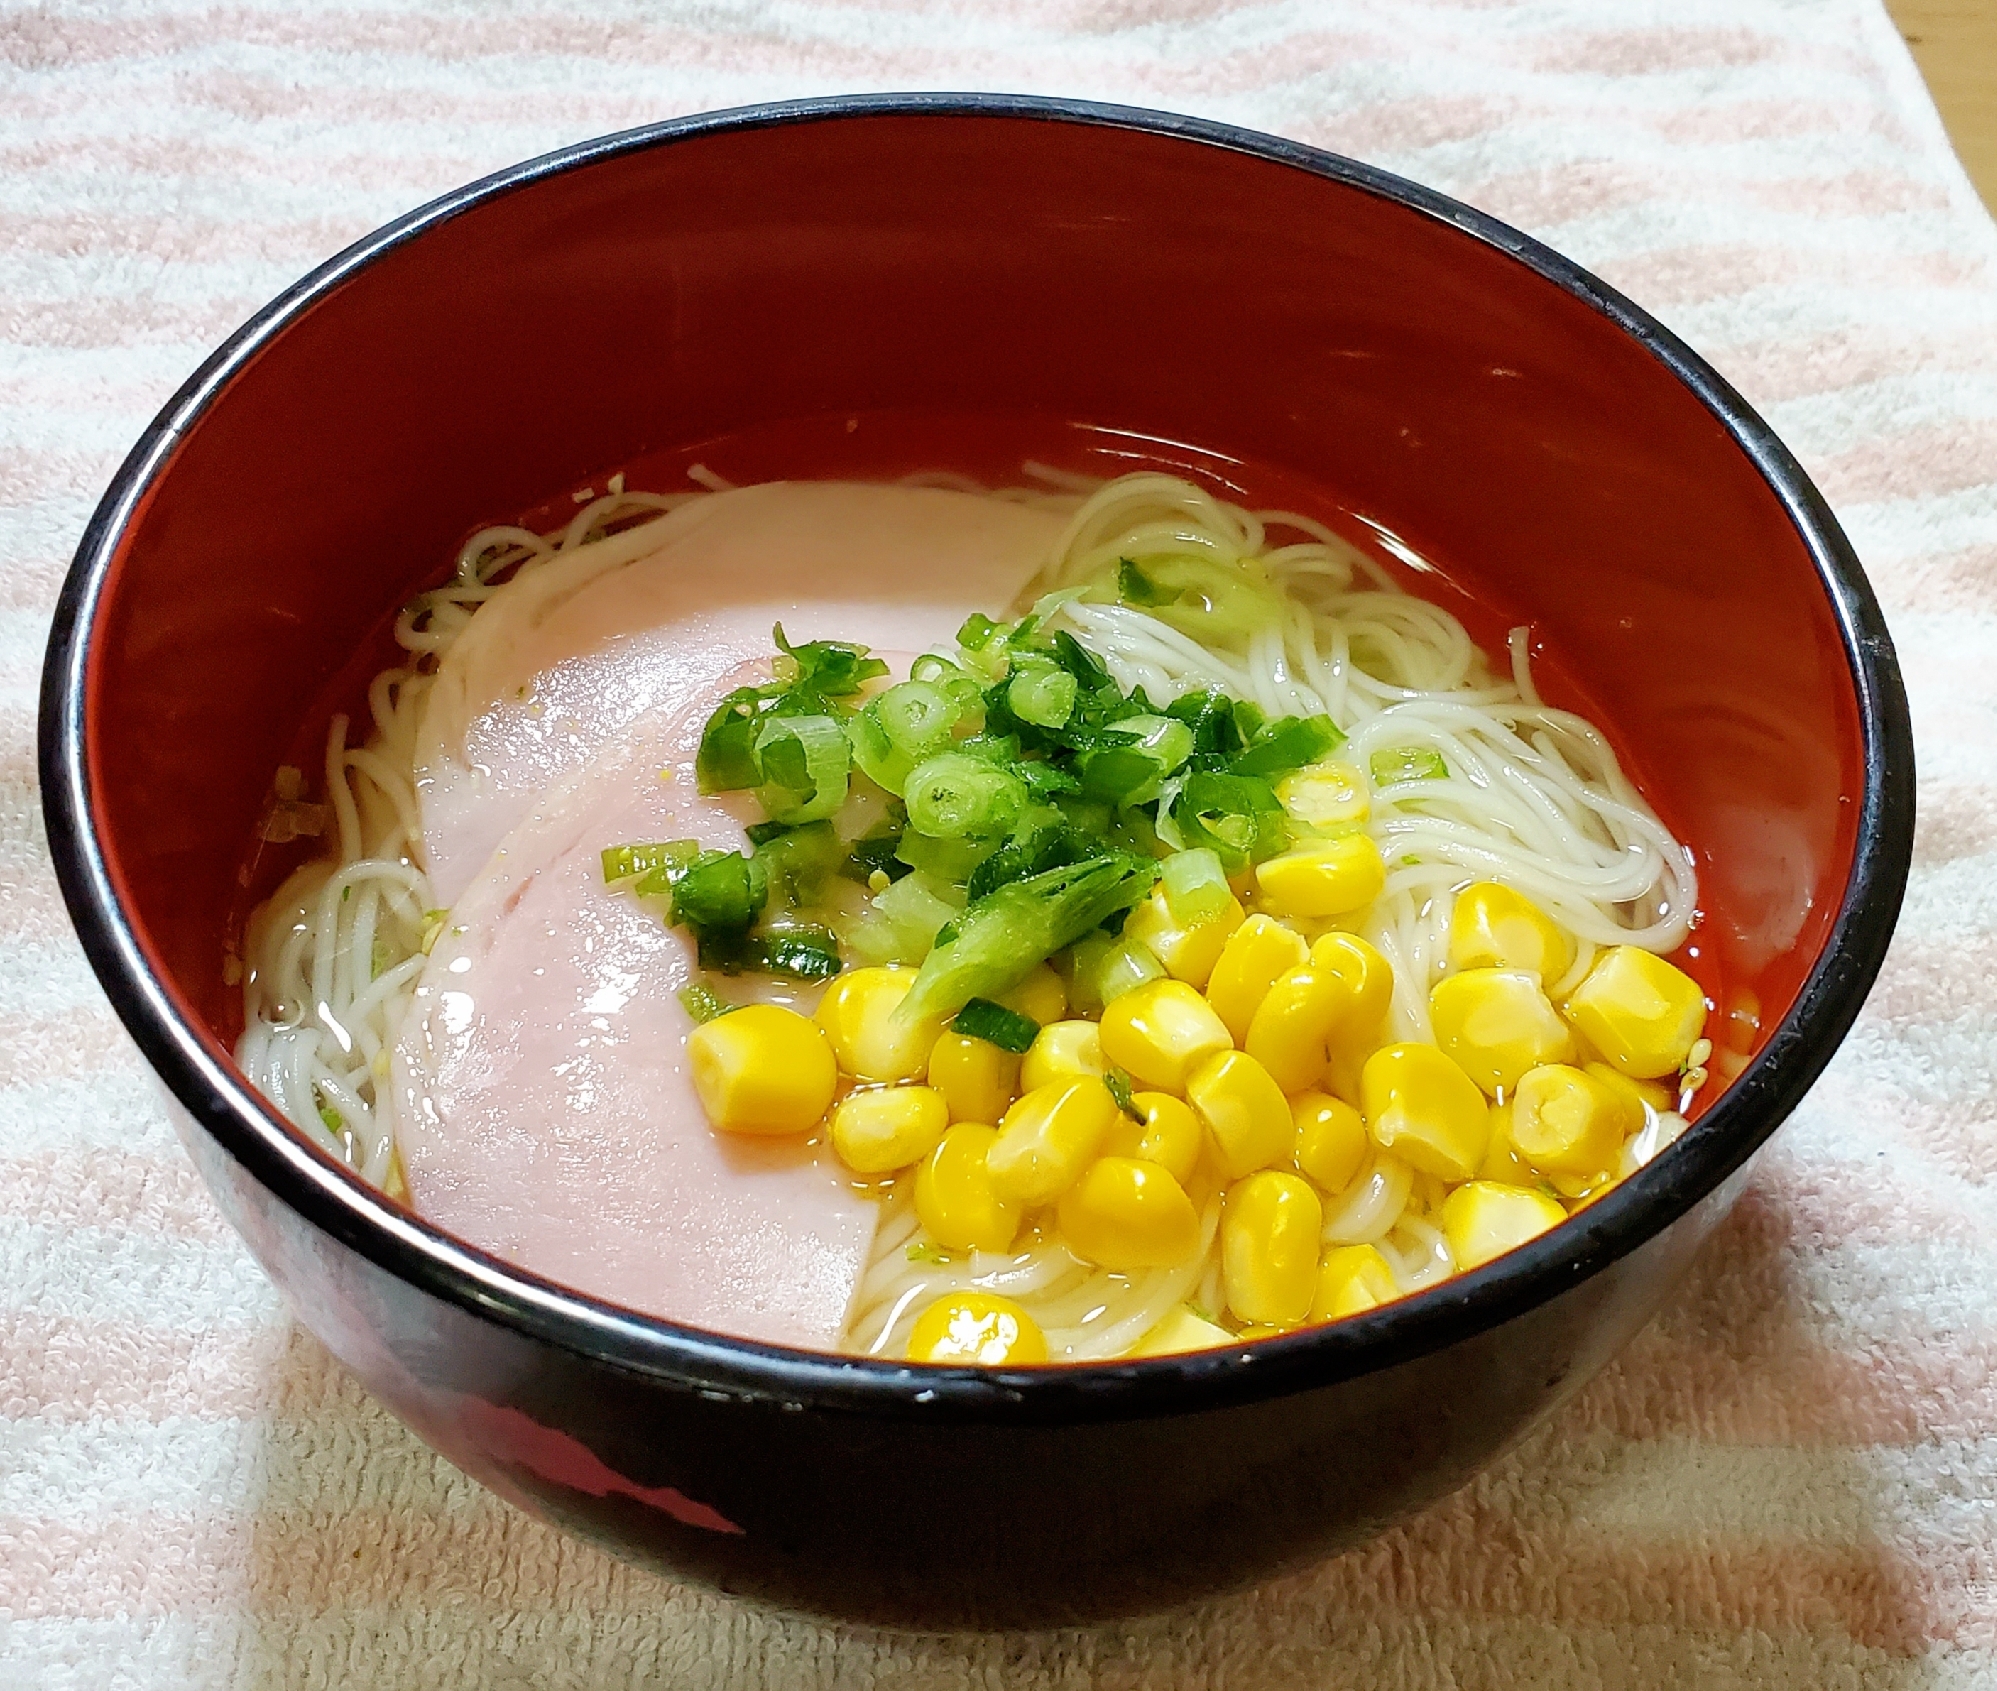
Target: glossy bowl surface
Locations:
point(1129, 284)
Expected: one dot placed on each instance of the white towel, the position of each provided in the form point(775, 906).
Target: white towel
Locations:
point(1787, 1481)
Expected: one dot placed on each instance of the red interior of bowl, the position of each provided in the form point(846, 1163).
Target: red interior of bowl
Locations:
point(972, 286)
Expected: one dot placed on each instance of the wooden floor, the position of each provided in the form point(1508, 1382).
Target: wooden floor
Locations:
point(1955, 44)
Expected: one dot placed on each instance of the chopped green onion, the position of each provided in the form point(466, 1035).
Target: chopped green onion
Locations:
point(1003, 935)
point(379, 958)
point(720, 889)
point(803, 762)
point(1042, 695)
point(828, 669)
point(914, 913)
point(1408, 763)
point(1289, 744)
point(727, 759)
point(1134, 587)
point(946, 860)
point(876, 854)
point(980, 1018)
point(923, 1251)
point(807, 951)
point(1238, 817)
point(1196, 888)
point(335, 1122)
point(1127, 965)
point(898, 730)
point(1078, 660)
point(702, 1002)
point(621, 863)
point(953, 795)
point(1118, 1082)
point(978, 632)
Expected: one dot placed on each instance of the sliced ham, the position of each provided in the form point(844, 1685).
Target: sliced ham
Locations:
point(547, 1113)
point(546, 1109)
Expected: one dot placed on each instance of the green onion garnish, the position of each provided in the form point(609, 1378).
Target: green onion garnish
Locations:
point(996, 1025)
point(1408, 763)
point(622, 862)
point(1118, 1082)
point(702, 1002)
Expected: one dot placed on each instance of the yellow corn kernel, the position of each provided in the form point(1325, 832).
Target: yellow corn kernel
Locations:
point(1502, 1161)
point(1368, 978)
point(1323, 878)
point(871, 1042)
point(1326, 795)
point(1642, 1014)
point(1182, 1331)
point(762, 1069)
point(1482, 1220)
point(1492, 927)
point(1048, 1138)
point(1331, 1139)
point(1188, 952)
point(1292, 1024)
point(1041, 996)
point(1161, 1032)
point(1169, 1135)
point(1062, 1051)
point(1496, 1024)
point(1246, 1116)
point(1352, 1280)
point(1631, 1095)
point(888, 1127)
point(1269, 1228)
point(978, 1080)
point(978, 1327)
point(955, 1199)
point(1126, 1213)
point(1422, 1107)
point(1564, 1121)
point(1255, 955)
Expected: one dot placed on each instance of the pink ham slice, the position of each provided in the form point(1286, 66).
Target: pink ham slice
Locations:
point(546, 1109)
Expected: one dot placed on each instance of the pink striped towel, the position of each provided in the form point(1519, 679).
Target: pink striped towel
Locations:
point(1787, 1481)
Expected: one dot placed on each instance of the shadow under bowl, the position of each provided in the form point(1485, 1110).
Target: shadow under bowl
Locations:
point(1479, 399)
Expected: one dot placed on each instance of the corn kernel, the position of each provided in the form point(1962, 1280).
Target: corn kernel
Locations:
point(1642, 1014)
point(1125, 1213)
point(1181, 1331)
point(1062, 1051)
point(1326, 795)
point(1246, 1116)
point(1323, 878)
point(1188, 952)
point(1161, 1033)
point(1496, 1024)
point(1331, 1139)
point(1482, 1220)
point(977, 1080)
point(1048, 1138)
point(1502, 1161)
point(762, 1069)
point(1352, 1280)
point(1630, 1095)
point(1368, 978)
point(1292, 1024)
point(1428, 1112)
point(1040, 996)
point(1269, 1230)
point(979, 1327)
point(888, 1127)
point(1564, 1121)
point(1492, 927)
point(871, 1042)
point(1256, 954)
point(955, 1199)
point(1169, 1135)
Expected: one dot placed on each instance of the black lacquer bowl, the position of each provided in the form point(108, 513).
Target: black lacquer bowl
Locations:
point(1132, 279)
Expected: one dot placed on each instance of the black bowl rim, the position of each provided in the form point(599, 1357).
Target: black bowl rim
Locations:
point(333, 1199)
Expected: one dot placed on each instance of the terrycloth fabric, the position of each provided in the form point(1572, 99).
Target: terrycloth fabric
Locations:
point(1787, 1481)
